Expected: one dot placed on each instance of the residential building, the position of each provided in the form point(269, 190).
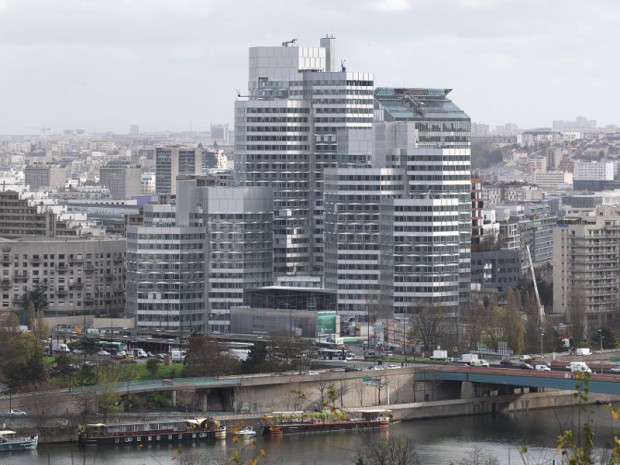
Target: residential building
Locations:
point(122, 179)
point(83, 277)
point(593, 171)
point(173, 161)
point(497, 270)
point(586, 266)
point(42, 175)
point(19, 218)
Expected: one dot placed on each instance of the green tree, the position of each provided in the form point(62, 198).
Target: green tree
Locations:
point(608, 338)
point(152, 365)
point(22, 358)
point(205, 357)
point(34, 303)
point(257, 359)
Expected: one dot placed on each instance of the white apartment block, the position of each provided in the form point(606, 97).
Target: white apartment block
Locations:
point(593, 171)
point(554, 180)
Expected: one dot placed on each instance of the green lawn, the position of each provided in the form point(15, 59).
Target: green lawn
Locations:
point(163, 371)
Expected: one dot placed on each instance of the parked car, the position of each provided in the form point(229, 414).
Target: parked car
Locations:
point(17, 413)
point(392, 366)
point(615, 369)
point(541, 367)
point(104, 353)
point(525, 366)
point(376, 368)
point(311, 372)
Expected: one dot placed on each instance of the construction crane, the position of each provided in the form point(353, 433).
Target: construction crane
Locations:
point(541, 307)
point(289, 42)
point(43, 129)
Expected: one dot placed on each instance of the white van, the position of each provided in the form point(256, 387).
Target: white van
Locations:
point(578, 367)
point(479, 362)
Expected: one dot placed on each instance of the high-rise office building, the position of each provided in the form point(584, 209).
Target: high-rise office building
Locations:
point(427, 236)
point(191, 261)
point(300, 108)
point(382, 176)
point(171, 162)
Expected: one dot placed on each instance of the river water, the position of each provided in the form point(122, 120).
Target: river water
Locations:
point(437, 442)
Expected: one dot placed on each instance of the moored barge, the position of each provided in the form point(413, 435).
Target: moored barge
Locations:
point(151, 432)
point(280, 423)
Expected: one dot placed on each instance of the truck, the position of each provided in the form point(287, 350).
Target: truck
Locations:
point(583, 351)
point(468, 358)
point(138, 353)
point(59, 347)
point(177, 356)
point(439, 354)
point(578, 367)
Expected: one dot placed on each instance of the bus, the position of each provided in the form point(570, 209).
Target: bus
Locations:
point(335, 354)
point(111, 346)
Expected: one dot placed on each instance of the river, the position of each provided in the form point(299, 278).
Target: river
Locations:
point(437, 442)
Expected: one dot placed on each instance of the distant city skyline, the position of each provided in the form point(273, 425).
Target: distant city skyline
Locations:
point(176, 64)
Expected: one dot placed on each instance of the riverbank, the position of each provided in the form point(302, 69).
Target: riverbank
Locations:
point(62, 429)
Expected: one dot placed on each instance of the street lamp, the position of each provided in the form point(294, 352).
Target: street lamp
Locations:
point(600, 333)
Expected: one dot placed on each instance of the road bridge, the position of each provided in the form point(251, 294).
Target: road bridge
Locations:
point(599, 383)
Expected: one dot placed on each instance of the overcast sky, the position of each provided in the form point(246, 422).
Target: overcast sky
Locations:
point(102, 65)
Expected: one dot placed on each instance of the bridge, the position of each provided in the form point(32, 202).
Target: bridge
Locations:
point(564, 380)
point(176, 384)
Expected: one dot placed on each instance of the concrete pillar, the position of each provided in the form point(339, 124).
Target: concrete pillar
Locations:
point(468, 390)
point(174, 398)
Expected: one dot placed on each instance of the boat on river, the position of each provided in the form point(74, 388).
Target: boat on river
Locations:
point(245, 433)
point(151, 432)
point(280, 423)
point(10, 442)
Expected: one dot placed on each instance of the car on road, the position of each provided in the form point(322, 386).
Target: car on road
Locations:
point(376, 368)
point(353, 368)
point(541, 367)
point(615, 369)
point(311, 372)
point(17, 413)
point(525, 366)
point(392, 366)
point(104, 353)
point(506, 362)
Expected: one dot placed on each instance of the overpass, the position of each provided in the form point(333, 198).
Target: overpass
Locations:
point(176, 384)
point(564, 380)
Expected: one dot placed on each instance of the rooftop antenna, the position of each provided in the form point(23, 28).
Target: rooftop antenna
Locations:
point(289, 42)
point(343, 68)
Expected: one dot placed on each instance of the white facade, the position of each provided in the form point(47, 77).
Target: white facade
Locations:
point(593, 171)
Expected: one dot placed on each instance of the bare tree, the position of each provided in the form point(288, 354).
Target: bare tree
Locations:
point(296, 397)
point(391, 451)
point(322, 383)
point(576, 310)
point(477, 456)
point(360, 389)
point(429, 325)
point(343, 389)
